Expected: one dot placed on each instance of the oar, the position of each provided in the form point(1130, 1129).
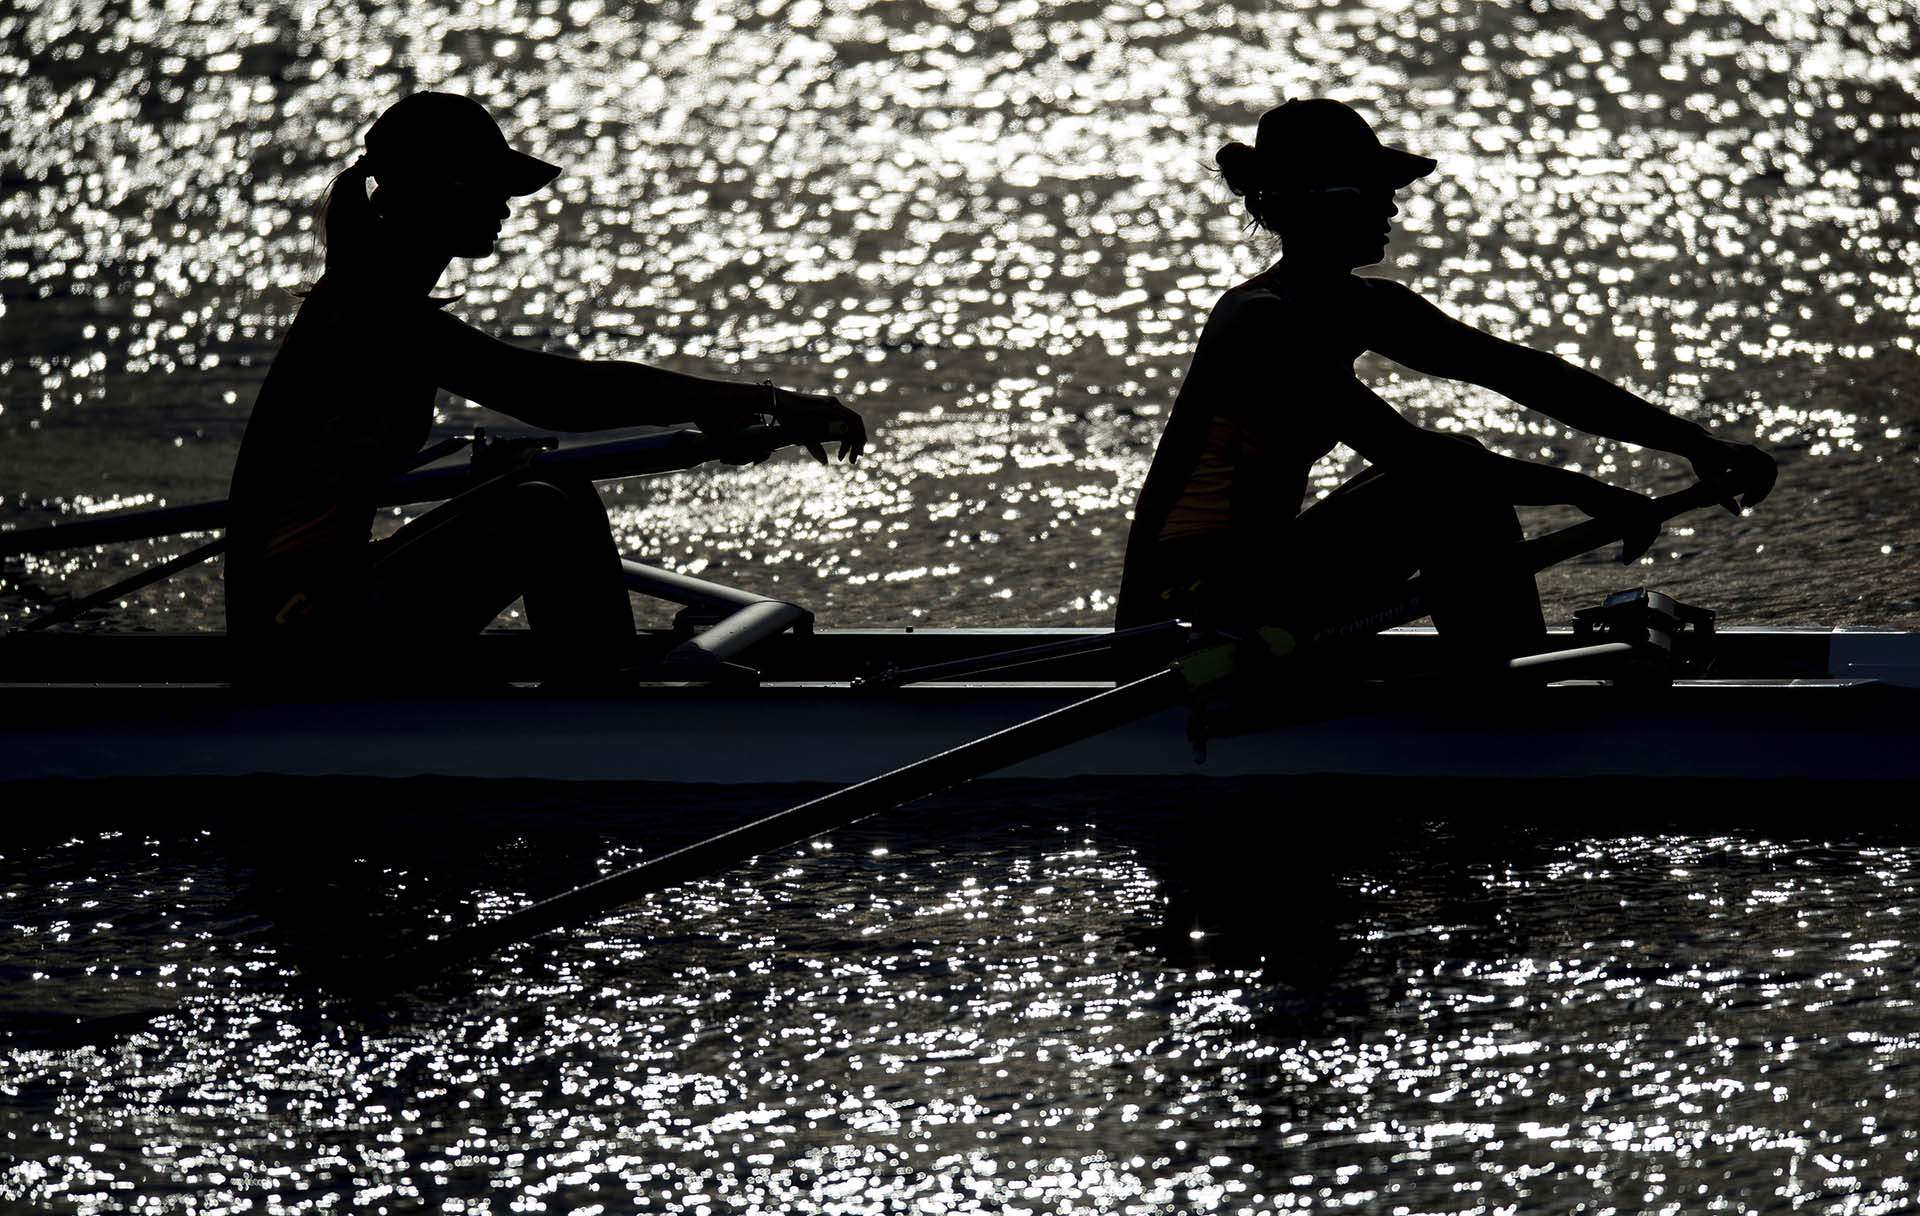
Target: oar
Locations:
point(1205, 669)
point(669, 452)
point(196, 516)
point(651, 454)
point(68, 610)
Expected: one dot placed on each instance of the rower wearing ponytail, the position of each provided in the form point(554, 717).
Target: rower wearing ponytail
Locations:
point(351, 399)
point(347, 216)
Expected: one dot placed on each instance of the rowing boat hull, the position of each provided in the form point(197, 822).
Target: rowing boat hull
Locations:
point(1831, 725)
point(797, 734)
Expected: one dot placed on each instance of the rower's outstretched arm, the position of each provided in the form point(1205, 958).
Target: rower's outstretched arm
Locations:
point(1451, 463)
point(1414, 333)
point(1316, 375)
point(560, 393)
point(1376, 430)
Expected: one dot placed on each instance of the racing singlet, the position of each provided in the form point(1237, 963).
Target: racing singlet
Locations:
point(1231, 468)
point(346, 404)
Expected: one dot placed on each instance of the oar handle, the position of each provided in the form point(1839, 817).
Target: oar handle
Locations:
point(670, 452)
point(1555, 547)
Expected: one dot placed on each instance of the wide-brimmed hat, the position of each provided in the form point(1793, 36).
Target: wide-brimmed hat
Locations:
point(451, 137)
point(1322, 142)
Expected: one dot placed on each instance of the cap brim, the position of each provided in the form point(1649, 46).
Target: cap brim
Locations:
point(523, 174)
point(1397, 168)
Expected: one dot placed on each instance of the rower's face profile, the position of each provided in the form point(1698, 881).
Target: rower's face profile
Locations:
point(461, 219)
point(1347, 224)
point(477, 216)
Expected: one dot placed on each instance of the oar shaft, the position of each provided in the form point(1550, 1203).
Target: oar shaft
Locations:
point(153, 574)
point(111, 529)
point(1555, 547)
point(795, 825)
point(669, 452)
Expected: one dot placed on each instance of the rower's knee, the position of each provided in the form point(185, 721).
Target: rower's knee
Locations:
point(1470, 516)
point(544, 505)
point(538, 495)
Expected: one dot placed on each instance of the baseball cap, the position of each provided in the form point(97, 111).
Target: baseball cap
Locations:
point(451, 136)
point(1320, 141)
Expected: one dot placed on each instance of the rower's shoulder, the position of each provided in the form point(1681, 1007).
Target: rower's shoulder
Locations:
point(1271, 304)
point(1376, 288)
point(1386, 293)
point(1386, 302)
point(1257, 301)
point(346, 301)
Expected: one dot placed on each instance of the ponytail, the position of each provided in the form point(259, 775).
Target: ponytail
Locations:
point(347, 217)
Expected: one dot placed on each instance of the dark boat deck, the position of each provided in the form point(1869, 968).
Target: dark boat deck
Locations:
point(846, 654)
point(1779, 704)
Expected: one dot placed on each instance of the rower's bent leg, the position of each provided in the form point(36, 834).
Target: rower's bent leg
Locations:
point(1377, 528)
point(576, 594)
point(1483, 605)
point(453, 570)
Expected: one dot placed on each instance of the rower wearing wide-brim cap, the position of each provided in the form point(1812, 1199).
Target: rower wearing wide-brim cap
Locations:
point(452, 138)
point(1219, 536)
point(1321, 142)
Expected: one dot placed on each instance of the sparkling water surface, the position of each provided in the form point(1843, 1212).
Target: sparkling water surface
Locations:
point(1033, 999)
point(992, 227)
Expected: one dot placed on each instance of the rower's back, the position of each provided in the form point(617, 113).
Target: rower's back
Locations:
point(1247, 426)
point(345, 405)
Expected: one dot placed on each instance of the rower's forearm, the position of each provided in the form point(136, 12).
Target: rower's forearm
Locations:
point(1531, 484)
point(616, 394)
point(1597, 406)
point(671, 396)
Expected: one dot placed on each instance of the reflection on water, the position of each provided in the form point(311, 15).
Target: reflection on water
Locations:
point(991, 226)
point(998, 1004)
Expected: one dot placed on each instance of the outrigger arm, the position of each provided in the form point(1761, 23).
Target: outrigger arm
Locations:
point(745, 619)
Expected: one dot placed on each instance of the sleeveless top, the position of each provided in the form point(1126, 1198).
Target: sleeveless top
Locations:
point(346, 404)
point(1231, 467)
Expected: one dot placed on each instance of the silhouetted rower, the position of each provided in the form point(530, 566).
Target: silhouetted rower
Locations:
point(349, 401)
point(1218, 535)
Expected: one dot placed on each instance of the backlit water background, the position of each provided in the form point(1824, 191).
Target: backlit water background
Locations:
point(993, 229)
